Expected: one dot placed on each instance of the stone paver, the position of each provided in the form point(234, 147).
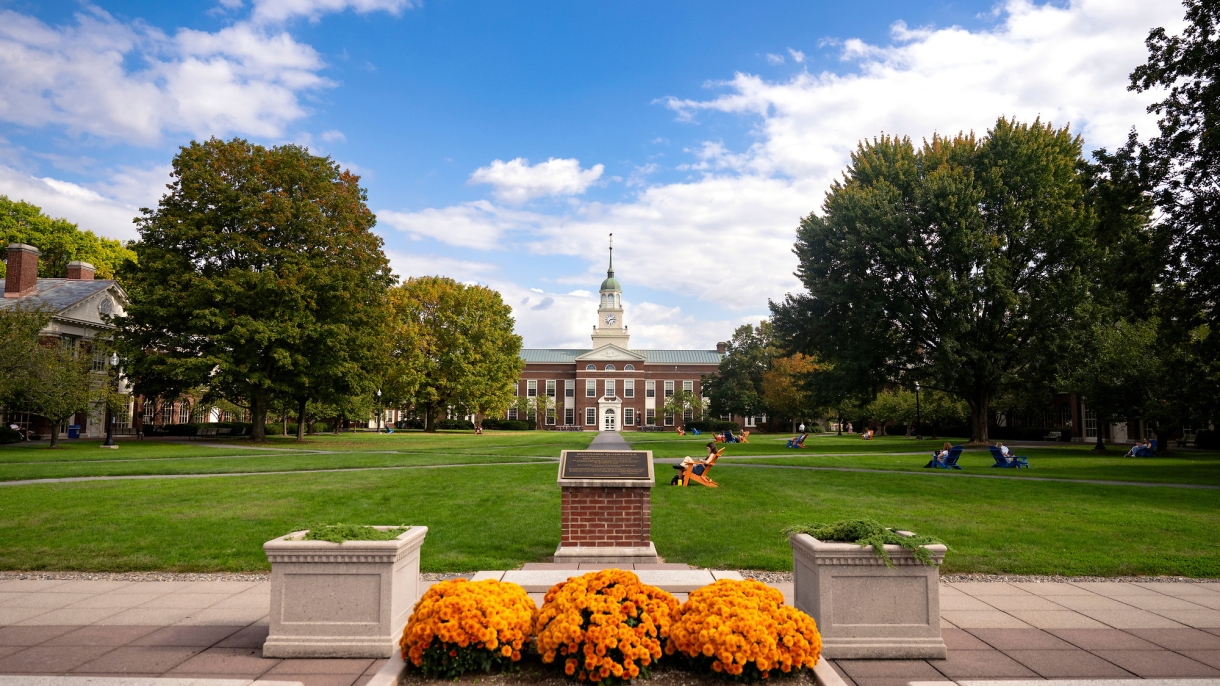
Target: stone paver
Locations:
point(1000, 631)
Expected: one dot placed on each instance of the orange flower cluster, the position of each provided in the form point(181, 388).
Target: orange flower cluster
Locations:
point(459, 625)
point(743, 628)
point(606, 626)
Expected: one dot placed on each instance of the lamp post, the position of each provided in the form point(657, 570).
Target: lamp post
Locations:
point(918, 433)
point(379, 411)
point(109, 442)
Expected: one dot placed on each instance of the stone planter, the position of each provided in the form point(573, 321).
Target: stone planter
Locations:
point(863, 608)
point(349, 599)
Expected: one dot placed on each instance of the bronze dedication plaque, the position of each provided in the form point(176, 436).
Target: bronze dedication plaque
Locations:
point(611, 465)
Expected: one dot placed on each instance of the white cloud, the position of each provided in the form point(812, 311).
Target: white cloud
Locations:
point(478, 224)
point(85, 207)
point(408, 264)
point(333, 135)
point(283, 10)
point(516, 181)
point(239, 80)
point(726, 237)
point(797, 55)
point(772, 58)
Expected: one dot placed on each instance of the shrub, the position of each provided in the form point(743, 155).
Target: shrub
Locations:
point(409, 424)
point(1208, 440)
point(454, 424)
point(604, 626)
point(8, 435)
point(507, 424)
point(461, 626)
point(338, 533)
point(743, 629)
point(868, 532)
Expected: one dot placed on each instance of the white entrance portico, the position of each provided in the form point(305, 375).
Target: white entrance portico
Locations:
point(610, 409)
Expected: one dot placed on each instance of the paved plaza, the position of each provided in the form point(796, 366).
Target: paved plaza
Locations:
point(994, 630)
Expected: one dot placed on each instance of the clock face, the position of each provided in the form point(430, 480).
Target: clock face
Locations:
point(610, 319)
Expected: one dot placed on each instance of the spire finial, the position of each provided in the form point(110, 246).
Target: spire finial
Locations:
point(610, 271)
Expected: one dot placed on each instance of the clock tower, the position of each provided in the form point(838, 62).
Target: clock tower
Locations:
point(610, 329)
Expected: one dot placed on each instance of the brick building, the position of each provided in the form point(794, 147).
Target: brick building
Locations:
point(609, 386)
point(80, 307)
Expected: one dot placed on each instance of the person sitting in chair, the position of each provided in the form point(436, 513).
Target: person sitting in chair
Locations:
point(681, 431)
point(867, 435)
point(797, 442)
point(940, 457)
point(1005, 452)
point(1140, 449)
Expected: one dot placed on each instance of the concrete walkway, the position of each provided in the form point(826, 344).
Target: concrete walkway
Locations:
point(215, 629)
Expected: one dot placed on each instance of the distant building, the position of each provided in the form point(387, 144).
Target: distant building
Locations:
point(78, 305)
point(609, 386)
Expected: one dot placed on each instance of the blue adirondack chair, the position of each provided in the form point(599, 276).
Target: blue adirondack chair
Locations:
point(798, 442)
point(1001, 461)
point(696, 432)
point(950, 462)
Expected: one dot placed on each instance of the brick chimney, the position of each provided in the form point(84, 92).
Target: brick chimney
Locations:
point(80, 271)
point(722, 348)
point(21, 276)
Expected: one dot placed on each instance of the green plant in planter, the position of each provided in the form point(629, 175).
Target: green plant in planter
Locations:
point(338, 533)
point(868, 532)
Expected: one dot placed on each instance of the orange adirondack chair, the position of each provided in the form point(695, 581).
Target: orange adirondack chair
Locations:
point(745, 437)
point(689, 475)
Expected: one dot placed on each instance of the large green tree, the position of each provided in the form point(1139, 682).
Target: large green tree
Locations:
point(258, 274)
point(452, 345)
point(737, 388)
point(960, 264)
point(59, 241)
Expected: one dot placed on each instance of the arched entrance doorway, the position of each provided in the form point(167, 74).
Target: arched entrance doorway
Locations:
point(609, 422)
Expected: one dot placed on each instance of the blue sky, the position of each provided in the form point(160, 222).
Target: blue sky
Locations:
point(501, 142)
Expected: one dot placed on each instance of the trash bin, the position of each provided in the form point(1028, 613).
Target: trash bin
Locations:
point(74, 431)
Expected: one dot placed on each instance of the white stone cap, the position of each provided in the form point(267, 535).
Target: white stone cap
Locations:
point(24, 248)
point(862, 554)
point(287, 548)
point(81, 263)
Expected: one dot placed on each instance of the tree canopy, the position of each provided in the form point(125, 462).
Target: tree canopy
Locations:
point(960, 264)
point(59, 240)
point(737, 388)
point(257, 274)
point(452, 345)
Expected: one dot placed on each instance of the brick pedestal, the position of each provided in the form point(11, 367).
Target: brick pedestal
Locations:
point(606, 517)
point(607, 520)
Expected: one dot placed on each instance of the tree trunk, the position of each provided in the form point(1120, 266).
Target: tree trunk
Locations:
point(429, 419)
point(840, 432)
point(302, 406)
point(284, 417)
point(1101, 444)
point(55, 434)
point(979, 409)
point(258, 419)
point(1162, 440)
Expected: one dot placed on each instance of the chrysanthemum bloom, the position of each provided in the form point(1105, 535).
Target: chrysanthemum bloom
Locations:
point(458, 626)
point(606, 626)
point(743, 628)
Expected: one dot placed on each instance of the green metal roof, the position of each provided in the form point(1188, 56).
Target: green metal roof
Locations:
point(569, 355)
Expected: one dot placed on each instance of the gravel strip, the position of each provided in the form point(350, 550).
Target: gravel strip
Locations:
point(1053, 579)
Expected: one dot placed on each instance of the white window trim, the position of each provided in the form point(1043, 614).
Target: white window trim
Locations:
point(650, 389)
point(531, 388)
point(590, 388)
point(590, 416)
point(628, 388)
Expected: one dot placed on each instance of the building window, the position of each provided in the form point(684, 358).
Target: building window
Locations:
point(628, 416)
point(590, 388)
point(590, 416)
point(688, 386)
point(669, 389)
point(550, 416)
point(184, 413)
point(629, 367)
point(650, 389)
point(629, 388)
point(531, 388)
point(590, 367)
point(149, 411)
point(517, 388)
point(99, 362)
point(609, 367)
point(569, 389)
point(1090, 423)
point(609, 388)
point(669, 419)
point(512, 413)
point(650, 417)
point(688, 416)
point(550, 389)
point(569, 416)
point(167, 413)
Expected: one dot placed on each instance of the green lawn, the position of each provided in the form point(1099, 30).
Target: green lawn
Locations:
point(498, 516)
